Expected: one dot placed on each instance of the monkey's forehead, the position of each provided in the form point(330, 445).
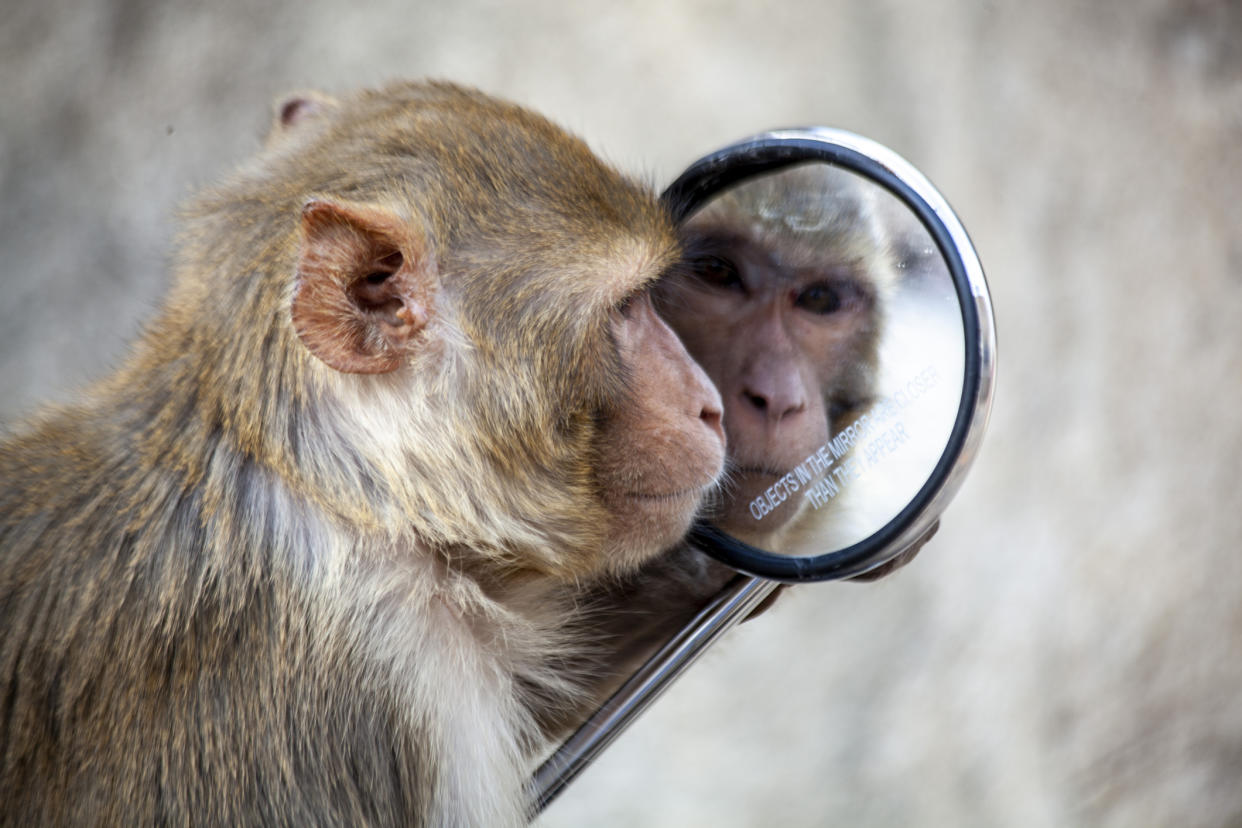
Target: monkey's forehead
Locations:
point(484, 149)
point(577, 283)
point(783, 244)
point(796, 215)
point(806, 203)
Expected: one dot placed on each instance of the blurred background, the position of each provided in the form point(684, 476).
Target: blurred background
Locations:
point(1068, 650)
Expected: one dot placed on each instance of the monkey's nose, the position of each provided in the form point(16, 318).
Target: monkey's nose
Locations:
point(774, 405)
point(713, 417)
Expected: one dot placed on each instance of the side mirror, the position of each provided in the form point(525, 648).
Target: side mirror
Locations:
point(838, 304)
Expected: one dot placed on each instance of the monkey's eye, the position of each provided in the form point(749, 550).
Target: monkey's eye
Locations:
point(717, 271)
point(819, 298)
point(627, 305)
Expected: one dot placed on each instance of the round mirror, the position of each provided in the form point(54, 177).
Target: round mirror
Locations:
point(836, 301)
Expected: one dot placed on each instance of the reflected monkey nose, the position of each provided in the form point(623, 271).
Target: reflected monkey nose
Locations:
point(770, 383)
point(775, 395)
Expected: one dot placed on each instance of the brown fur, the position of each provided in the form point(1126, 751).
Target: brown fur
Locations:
point(324, 550)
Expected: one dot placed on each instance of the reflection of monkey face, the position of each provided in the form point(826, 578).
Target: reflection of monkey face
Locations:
point(788, 333)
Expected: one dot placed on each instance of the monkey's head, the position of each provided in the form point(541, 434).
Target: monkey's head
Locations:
point(783, 304)
point(429, 309)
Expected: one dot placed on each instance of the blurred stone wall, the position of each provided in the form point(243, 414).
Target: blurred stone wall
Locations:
point(1068, 651)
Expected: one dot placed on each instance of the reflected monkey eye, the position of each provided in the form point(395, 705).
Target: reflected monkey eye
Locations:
point(820, 298)
point(717, 271)
point(829, 297)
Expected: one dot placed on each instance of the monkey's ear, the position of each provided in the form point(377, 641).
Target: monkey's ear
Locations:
point(290, 113)
point(364, 289)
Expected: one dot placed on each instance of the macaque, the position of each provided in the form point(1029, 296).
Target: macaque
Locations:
point(327, 548)
point(783, 304)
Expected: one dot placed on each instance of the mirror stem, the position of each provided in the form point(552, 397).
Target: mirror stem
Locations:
point(732, 604)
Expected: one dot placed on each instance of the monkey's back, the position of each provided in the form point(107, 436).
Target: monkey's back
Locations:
point(145, 679)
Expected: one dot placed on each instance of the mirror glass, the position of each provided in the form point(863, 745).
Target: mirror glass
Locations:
point(827, 316)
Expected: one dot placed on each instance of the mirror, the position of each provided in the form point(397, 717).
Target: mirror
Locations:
point(836, 302)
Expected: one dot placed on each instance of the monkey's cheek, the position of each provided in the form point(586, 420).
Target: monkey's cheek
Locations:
point(674, 511)
point(644, 525)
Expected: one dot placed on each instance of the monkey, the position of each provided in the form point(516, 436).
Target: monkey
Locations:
point(783, 303)
point(327, 547)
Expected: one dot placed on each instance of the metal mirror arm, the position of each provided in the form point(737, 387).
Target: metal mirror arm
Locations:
point(732, 604)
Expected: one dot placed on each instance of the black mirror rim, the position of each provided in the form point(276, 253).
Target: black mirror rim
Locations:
point(773, 151)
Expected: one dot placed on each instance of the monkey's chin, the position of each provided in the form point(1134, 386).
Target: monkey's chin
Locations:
point(648, 523)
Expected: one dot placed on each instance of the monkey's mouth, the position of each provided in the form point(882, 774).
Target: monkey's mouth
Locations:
point(663, 497)
point(763, 471)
